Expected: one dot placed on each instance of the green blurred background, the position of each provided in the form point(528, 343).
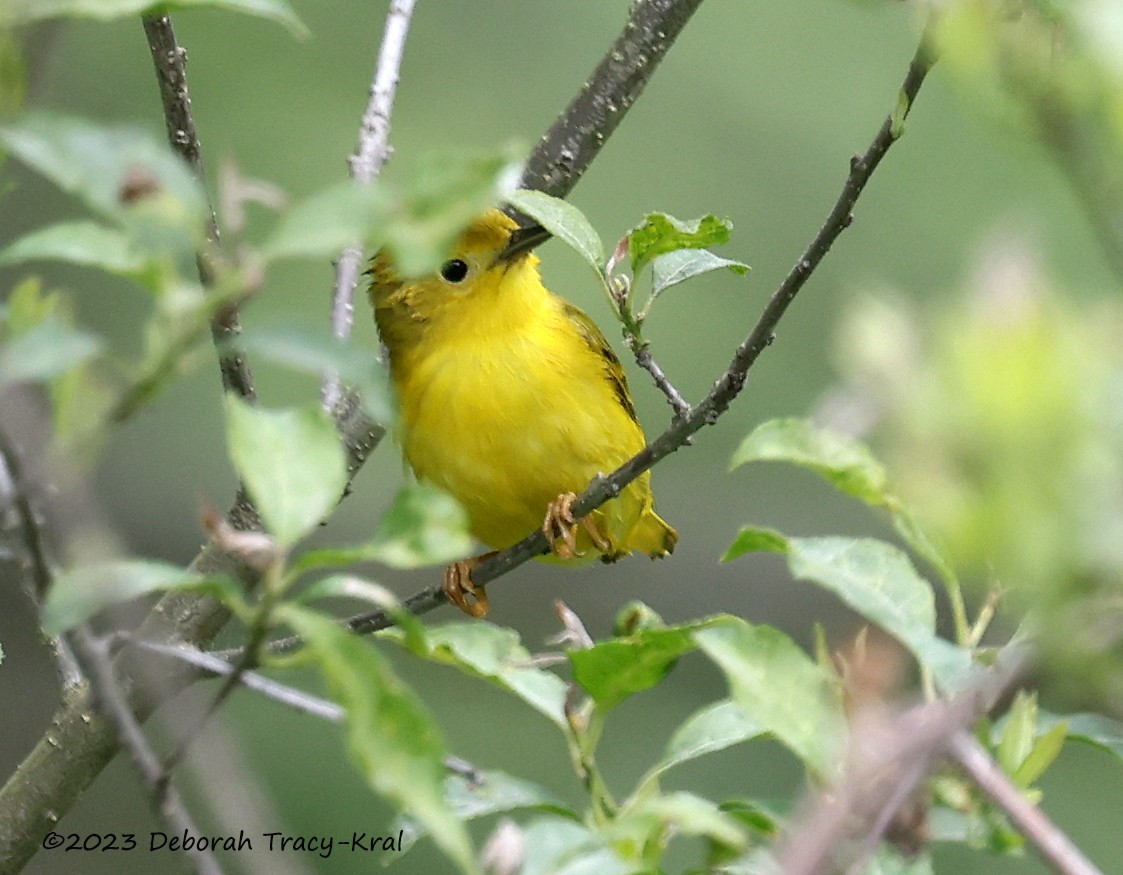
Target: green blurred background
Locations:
point(754, 116)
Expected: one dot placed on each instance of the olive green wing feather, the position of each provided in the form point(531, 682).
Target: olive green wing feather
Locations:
point(613, 370)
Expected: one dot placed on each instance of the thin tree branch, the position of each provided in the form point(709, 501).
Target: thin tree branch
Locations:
point(170, 60)
point(366, 164)
point(14, 491)
point(1056, 847)
point(888, 758)
point(93, 654)
point(575, 139)
point(728, 386)
point(678, 403)
point(212, 665)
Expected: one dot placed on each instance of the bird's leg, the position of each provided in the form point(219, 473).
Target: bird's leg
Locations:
point(457, 585)
point(560, 528)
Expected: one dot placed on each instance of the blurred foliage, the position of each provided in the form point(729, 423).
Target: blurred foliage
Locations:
point(1000, 412)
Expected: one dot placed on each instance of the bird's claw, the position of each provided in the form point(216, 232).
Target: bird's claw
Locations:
point(560, 528)
point(458, 586)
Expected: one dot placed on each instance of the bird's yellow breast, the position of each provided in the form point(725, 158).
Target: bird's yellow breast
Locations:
point(509, 408)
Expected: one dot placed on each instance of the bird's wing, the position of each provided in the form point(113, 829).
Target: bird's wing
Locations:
point(613, 370)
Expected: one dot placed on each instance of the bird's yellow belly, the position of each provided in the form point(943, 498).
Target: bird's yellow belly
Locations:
point(506, 456)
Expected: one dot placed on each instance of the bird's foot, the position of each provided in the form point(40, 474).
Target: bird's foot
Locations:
point(458, 586)
point(560, 528)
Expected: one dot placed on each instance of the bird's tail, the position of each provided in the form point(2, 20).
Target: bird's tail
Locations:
point(653, 536)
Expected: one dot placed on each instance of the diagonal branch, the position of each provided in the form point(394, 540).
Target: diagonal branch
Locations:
point(170, 59)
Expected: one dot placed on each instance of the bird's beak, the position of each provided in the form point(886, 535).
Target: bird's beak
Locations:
point(522, 241)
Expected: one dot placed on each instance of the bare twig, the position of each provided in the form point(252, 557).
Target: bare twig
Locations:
point(1056, 847)
point(212, 665)
point(888, 759)
point(679, 404)
point(366, 164)
point(15, 493)
point(170, 60)
point(93, 654)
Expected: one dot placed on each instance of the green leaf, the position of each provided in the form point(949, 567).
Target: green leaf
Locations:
point(660, 234)
point(349, 586)
point(879, 582)
point(844, 462)
point(46, 350)
point(612, 670)
point(564, 221)
point(291, 463)
point(13, 76)
point(424, 526)
point(708, 730)
point(553, 846)
point(319, 352)
point(1018, 733)
point(672, 268)
point(81, 592)
point(342, 215)
point(15, 12)
point(496, 654)
point(1044, 753)
point(391, 738)
point(753, 540)
point(781, 689)
point(1094, 729)
point(484, 794)
point(84, 243)
point(680, 813)
point(443, 194)
point(102, 165)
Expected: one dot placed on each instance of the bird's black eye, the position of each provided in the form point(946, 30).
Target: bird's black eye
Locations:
point(454, 270)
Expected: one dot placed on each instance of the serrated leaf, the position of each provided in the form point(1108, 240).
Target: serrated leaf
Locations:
point(81, 592)
point(424, 526)
point(390, 736)
point(612, 670)
point(319, 352)
point(781, 689)
point(879, 582)
point(496, 654)
point(16, 12)
point(46, 350)
point(84, 243)
point(291, 463)
point(342, 215)
point(672, 268)
point(564, 221)
point(846, 463)
point(99, 164)
point(484, 794)
point(660, 233)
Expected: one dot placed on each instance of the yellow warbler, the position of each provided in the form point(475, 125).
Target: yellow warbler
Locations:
point(512, 401)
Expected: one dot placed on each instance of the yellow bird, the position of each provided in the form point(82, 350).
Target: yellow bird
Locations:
point(512, 401)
